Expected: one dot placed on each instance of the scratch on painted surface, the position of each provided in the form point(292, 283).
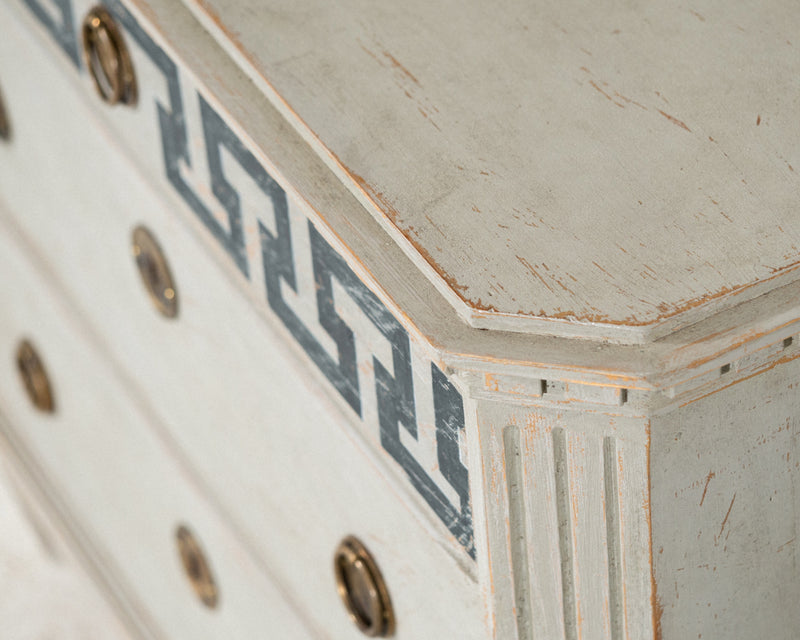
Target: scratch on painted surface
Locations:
point(664, 310)
point(601, 269)
point(630, 101)
point(386, 206)
point(705, 489)
point(594, 84)
point(656, 608)
point(783, 546)
point(396, 64)
point(435, 226)
point(402, 78)
point(675, 121)
point(534, 272)
point(427, 117)
point(617, 94)
point(725, 520)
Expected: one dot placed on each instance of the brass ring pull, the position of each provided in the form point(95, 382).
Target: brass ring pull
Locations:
point(107, 58)
point(196, 567)
point(155, 272)
point(34, 377)
point(362, 589)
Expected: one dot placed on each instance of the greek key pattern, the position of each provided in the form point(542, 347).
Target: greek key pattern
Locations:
point(382, 374)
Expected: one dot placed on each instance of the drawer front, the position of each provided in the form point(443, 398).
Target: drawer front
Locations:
point(282, 451)
point(39, 572)
point(102, 460)
point(272, 243)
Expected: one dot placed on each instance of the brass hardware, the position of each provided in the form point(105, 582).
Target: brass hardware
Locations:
point(107, 58)
point(34, 377)
point(155, 272)
point(362, 589)
point(196, 567)
point(5, 129)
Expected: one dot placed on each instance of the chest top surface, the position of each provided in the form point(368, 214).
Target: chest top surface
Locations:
point(620, 163)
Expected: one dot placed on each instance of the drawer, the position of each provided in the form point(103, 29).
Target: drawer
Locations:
point(123, 489)
point(541, 359)
point(270, 440)
point(39, 572)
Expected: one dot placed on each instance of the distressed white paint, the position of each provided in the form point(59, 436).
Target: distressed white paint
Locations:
point(576, 560)
point(726, 511)
point(45, 592)
point(125, 490)
point(264, 437)
point(489, 138)
point(561, 473)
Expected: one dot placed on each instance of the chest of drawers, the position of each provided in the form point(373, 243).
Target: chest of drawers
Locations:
point(414, 321)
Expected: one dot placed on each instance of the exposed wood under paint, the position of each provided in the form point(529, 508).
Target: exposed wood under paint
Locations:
point(619, 166)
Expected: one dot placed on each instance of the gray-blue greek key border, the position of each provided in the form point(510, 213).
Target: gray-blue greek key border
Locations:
point(394, 389)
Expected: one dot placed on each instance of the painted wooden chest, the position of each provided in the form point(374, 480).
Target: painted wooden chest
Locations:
point(415, 320)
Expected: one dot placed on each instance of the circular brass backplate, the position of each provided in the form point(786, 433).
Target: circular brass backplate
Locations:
point(34, 377)
point(107, 58)
point(155, 272)
point(197, 568)
point(362, 589)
